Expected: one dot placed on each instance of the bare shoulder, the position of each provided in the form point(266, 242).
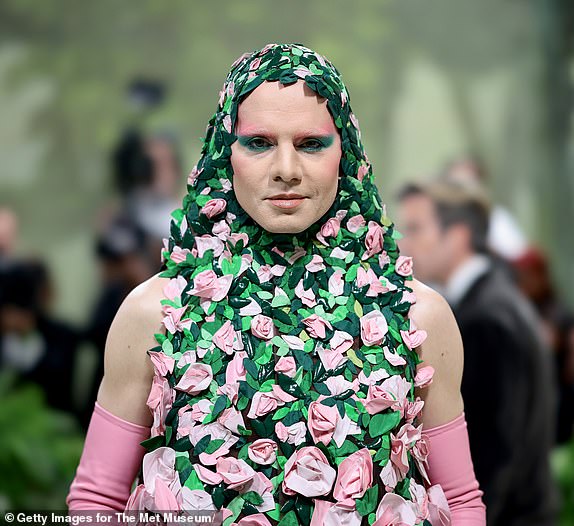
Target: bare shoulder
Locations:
point(443, 350)
point(128, 371)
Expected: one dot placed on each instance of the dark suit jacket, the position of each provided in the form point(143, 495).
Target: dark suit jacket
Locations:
point(508, 388)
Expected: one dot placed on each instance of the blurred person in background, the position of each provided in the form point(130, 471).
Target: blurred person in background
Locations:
point(122, 257)
point(505, 236)
point(8, 235)
point(33, 345)
point(533, 275)
point(508, 384)
point(147, 178)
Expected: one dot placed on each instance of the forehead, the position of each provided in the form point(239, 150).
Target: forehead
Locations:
point(277, 105)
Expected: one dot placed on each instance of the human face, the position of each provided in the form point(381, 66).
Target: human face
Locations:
point(424, 239)
point(286, 157)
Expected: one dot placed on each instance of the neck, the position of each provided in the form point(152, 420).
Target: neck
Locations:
point(457, 262)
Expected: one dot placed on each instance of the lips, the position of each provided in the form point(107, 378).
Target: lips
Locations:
point(287, 201)
point(287, 197)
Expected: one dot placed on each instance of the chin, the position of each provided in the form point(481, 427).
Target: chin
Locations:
point(280, 227)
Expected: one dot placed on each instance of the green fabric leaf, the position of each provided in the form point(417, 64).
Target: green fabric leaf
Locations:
point(381, 423)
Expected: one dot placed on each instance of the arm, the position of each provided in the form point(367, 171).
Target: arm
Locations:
point(449, 461)
point(121, 420)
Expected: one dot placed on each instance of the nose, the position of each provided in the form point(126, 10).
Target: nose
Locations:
point(286, 165)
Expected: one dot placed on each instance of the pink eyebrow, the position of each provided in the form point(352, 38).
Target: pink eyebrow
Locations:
point(263, 132)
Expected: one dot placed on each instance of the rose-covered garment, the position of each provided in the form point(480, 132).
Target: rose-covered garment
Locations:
point(284, 383)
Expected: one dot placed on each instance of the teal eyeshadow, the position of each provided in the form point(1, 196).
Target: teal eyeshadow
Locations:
point(245, 141)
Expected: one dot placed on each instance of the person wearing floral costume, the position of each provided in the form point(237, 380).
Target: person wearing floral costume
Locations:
point(288, 348)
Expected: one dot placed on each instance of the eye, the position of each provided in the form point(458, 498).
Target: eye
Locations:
point(255, 144)
point(316, 144)
point(312, 145)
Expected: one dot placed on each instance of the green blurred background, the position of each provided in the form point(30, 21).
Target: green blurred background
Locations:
point(430, 81)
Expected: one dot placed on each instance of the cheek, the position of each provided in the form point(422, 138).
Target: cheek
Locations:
point(329, 175)
point(243, 173)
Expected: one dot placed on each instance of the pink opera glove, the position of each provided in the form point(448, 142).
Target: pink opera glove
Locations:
point(450, 465)
point(110, 461)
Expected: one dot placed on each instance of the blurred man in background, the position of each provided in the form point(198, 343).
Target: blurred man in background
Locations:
point(8, 234)
point(33, 345)
point(508, 383)
point(534, 279)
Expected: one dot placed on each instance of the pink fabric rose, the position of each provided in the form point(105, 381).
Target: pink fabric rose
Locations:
point(235, 370)
point(424, 376)
point(286, 365)
point(393, 510)
point(235, 237)
point(186, 421)
point(251, 309)
point(217, 432)
point(307, 296)
point(341, 341)
point(208, 285)
point(207, 242)
point(420, 452)
point(160, 479)
point(316, 326)
point(262, 451)
point(192, 177)
point(221, 230)
point(173, 321)
point(201, 409)
point(160, 401)
point(331, 227)
point(368, 277)
point(196, 378)
point(262, 327)
point(414, 337)
point(439, 512)
point(294, 342)
point(294, 434)
point(340, 513)
point(316, 264)
point(234, 472)
point(363, 170)
point(196, 500)
point(227, 338)
point(206, 475)
point(397, 467)
point(336, 283)
point(263, 403)
point(214, 207)
point(355, 475)
point(391, 393)
point(394, 358)
point(308, 473)
point(331, 359)
point(412, 409)
point(322, 421)
point(384, 259)
point(404, 266)
point(231, 418)
point(162, 363)
point(373, 328)
point(178, 254)
point(355, 223)
point(374, 376)
point(373, 240)
point(174, 288)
